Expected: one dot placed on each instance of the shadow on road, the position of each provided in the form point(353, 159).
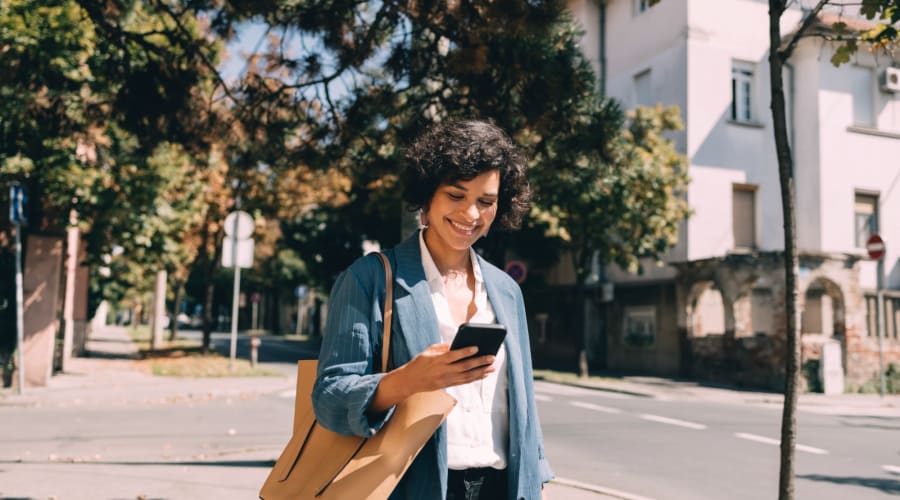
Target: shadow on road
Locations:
point(890, 486)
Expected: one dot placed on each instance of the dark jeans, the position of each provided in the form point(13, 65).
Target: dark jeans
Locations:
point(476, 484)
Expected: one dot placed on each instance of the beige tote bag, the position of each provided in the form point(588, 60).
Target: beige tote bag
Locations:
point(320, 464)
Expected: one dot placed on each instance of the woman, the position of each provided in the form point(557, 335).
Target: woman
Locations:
point(465, 176)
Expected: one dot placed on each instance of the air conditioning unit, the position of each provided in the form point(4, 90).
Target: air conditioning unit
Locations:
point(890, 80)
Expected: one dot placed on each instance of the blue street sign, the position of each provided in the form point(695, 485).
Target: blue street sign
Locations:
point(17, 201)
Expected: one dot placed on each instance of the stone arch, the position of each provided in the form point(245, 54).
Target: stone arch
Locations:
point(823, 309)
point(754, 308)
point(707, 310)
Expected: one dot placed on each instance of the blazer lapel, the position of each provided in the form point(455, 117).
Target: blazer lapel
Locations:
point(414, 309)
point(504, 304)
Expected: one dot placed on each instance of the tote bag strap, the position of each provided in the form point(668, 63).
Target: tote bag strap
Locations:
point(387, 317)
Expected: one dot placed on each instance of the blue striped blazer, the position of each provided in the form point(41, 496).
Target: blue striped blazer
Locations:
point(352, 345)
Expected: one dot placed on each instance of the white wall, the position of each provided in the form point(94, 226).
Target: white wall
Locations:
point(721, 32)
point(852, 159)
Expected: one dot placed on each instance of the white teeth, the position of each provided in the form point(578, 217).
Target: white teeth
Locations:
point(461, 227)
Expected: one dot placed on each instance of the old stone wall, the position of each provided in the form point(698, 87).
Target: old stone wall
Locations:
point(751, 351)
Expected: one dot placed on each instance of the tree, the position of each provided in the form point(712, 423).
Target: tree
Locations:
point(780, 51)
point(384, 71)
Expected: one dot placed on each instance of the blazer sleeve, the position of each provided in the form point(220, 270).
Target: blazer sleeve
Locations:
point(346, 384)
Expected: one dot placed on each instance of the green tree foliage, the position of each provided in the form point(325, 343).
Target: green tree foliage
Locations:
point(885, 14)
point(380, 72)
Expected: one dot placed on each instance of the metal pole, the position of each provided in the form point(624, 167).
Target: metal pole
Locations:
point(236, 296)
point(879, 301)
point(20, 310)
point(299, 309)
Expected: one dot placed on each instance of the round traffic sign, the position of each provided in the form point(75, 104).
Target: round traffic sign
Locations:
point(875, 247)
point(239, 224)
point(517, 271)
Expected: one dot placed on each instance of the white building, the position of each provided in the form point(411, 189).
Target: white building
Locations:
point(716, 310)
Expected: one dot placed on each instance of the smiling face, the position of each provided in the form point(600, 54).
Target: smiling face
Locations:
point(461, 212)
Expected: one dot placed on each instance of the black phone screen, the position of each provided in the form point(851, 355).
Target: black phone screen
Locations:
point(487, 336)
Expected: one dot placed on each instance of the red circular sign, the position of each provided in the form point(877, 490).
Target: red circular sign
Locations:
point(875, 247)
point(517, 271)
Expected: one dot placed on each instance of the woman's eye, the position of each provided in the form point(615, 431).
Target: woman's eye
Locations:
point(486, 203)
point(455, 197)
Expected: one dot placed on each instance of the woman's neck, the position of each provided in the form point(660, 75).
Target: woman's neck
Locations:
point(449, 261)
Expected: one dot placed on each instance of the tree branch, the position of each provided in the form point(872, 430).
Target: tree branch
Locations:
point(786, 52)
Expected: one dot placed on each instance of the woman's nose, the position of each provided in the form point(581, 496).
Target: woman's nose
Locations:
point(472, 211)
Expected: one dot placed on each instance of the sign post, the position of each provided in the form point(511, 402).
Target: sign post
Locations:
point(875, 247)
point(17, 201)
point(238, 226)
point(300, 292)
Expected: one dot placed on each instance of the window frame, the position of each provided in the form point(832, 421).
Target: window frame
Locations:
point(874, 217)
point(743, 72)
point(752, 189)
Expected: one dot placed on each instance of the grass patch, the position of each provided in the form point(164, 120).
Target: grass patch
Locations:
point(206, 365)
point(185, 358)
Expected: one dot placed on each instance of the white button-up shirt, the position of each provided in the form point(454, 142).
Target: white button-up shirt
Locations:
point(478, 427)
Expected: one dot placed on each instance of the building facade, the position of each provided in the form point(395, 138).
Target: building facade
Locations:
point(715, 311)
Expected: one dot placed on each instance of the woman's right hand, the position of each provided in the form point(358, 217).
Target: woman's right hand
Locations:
point(437, 367)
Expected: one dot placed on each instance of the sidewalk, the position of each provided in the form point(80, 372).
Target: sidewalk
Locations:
point(109, 377)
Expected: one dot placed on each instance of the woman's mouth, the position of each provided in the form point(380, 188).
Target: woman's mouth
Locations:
point(467, 229)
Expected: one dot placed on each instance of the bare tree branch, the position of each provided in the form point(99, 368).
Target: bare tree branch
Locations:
point(786, 52)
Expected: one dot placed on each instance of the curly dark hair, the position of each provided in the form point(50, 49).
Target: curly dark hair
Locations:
point(461, 150)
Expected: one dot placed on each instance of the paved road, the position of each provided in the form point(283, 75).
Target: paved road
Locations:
point(706, 450)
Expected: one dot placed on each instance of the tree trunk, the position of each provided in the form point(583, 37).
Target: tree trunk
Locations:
point(791, 262)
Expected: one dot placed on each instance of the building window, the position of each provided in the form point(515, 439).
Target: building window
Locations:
point(639, 326)
point(642, 92)
point(865, 215)
point(743, 215)
point(742, 91)
point(863, 81)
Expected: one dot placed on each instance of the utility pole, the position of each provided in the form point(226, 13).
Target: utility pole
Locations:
point(17, 201)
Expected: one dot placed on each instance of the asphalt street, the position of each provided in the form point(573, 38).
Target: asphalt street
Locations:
point(694, 450)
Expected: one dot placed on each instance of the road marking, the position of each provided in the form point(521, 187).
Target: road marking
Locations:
point(589, 406)
point(777, 442)
point(672, 421)
point(572, 483)
point(289, 394)
point(541, 397)
point(891, 468)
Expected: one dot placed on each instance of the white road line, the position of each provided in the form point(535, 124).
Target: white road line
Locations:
point(289, 394)
point(758, 439)
point(672, 421)
point(777, 442)
point(891, 468)
point(572, 483)
point(542, 397)
point(811, 449)
point(589, 406)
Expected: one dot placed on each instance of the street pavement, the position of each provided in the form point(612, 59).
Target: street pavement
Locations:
point(124, 411)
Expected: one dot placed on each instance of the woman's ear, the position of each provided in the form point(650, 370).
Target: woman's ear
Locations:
point(423, 218)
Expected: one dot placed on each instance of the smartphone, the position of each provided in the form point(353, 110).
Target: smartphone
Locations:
point(487, 336)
